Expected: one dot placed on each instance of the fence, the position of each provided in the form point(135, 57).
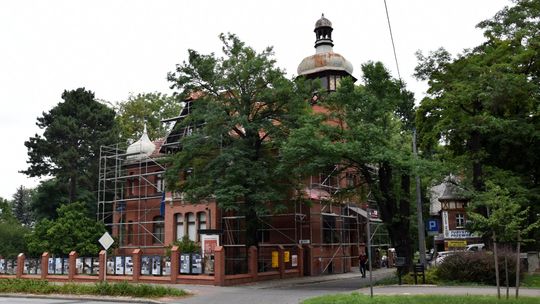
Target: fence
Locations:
point(176, 268)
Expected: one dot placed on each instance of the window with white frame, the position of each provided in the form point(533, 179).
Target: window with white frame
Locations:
point(191, 228)
point(460, 220)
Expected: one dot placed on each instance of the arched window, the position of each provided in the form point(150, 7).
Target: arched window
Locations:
point(191, 228)
point(201, 217)
point(180, 232)
point(158, 230)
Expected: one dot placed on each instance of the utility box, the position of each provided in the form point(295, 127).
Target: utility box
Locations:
point(185, 263)
point(196, 263)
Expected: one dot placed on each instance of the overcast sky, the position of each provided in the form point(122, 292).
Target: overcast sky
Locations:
point(115, 48)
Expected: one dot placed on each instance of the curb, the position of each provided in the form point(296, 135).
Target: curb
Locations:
point(78, 298)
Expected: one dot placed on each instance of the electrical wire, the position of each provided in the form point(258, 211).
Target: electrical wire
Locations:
point(392, 38)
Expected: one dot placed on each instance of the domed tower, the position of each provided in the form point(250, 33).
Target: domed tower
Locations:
point(325, 65)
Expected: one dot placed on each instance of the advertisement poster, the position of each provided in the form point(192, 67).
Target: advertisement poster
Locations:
point(166, 266)
point(119, 265)
point(156, 265)
point(287, 256)
point(50, 266)
point(275, 259)
point(2, 266)
point(209, 242)
point(79, 265)
point(294, 260)
point(58, 266)
point(88, 265)
point(129, 265)
point(110, 265)
point(65, 265)
point(145, 265)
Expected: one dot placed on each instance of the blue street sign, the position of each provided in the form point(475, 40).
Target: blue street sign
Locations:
point(432, 225)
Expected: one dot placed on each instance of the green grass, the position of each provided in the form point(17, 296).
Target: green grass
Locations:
point(100, 289)
point(531, 280)
point(355, 298)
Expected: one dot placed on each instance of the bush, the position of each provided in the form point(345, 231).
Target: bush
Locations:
point(102, 288)
point(477, 267)
point(431, 277)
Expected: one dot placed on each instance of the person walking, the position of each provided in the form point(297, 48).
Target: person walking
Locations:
point(363, 262)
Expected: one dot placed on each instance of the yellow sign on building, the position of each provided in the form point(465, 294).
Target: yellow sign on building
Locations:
point(286, 256)
point(275, 259)
point(457, 244)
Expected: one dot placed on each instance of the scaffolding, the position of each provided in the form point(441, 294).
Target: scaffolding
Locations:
point(130, 195)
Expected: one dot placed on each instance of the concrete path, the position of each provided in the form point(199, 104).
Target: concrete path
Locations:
point(454, 290)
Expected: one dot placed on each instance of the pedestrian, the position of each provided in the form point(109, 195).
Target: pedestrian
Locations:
point(363, 262)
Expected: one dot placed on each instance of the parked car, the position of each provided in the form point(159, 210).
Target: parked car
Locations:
point(475, 247)
point(441, 255)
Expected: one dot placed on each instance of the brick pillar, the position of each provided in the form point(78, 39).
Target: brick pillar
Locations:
point(281, 261)
point(252, 262)
point(136, 256)
point(175, 263)
point(20, 265)
point(300, 261)
point(72, 270)
point(219, 266)
point(102, 265)
point(44, 265)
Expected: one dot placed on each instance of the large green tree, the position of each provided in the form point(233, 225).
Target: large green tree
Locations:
point(484, 104)
point(372, 138)
point(150, 107)
point(72, 230)
point(245, 111)
point(68, 150)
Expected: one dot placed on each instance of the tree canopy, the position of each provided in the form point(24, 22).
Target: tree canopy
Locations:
point(150, 107)
point(68, 150)
point(72, 230)
point(371, 139)
point(245, 110)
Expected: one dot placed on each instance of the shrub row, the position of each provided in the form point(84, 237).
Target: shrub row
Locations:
point(102, 288)
point(477, 267)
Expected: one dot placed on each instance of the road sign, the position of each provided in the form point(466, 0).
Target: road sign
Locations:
point(432, 225)
point(106, 240)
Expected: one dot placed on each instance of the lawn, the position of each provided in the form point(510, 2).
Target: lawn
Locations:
point(99, 289)
point(531, 280)
point(355, 298)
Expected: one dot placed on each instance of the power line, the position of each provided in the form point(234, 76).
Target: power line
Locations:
point(392, 38)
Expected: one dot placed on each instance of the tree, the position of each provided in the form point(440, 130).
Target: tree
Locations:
point(371, 137)
point(73, 132)
point(483, 104)
point(72, 230)
point(48, 196)
point(149, 107)
point(246, 109)
point(21, 204)
point(11, 232)
point(506, 222)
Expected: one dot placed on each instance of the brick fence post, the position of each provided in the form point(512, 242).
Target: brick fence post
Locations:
point(219, 266)
point(175, 263)
point(102, 265)
point(252, 262)
point(72, 270)
point(20, 265)
point(300, 261)
point(44, 265)
point(281, 261)
point(136, 264)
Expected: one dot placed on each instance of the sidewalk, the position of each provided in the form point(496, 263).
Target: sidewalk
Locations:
point(444, 290)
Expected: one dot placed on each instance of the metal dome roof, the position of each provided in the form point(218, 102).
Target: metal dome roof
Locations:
point(141, 148)
point(323, 22)
point(324, 61)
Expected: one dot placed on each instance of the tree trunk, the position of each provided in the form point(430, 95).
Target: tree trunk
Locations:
point(252, 225)
point(518, 263)
point(496, 257)
point(506, 277)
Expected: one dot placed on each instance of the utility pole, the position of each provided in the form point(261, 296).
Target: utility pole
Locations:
point(421, 238)
point(368, 245)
